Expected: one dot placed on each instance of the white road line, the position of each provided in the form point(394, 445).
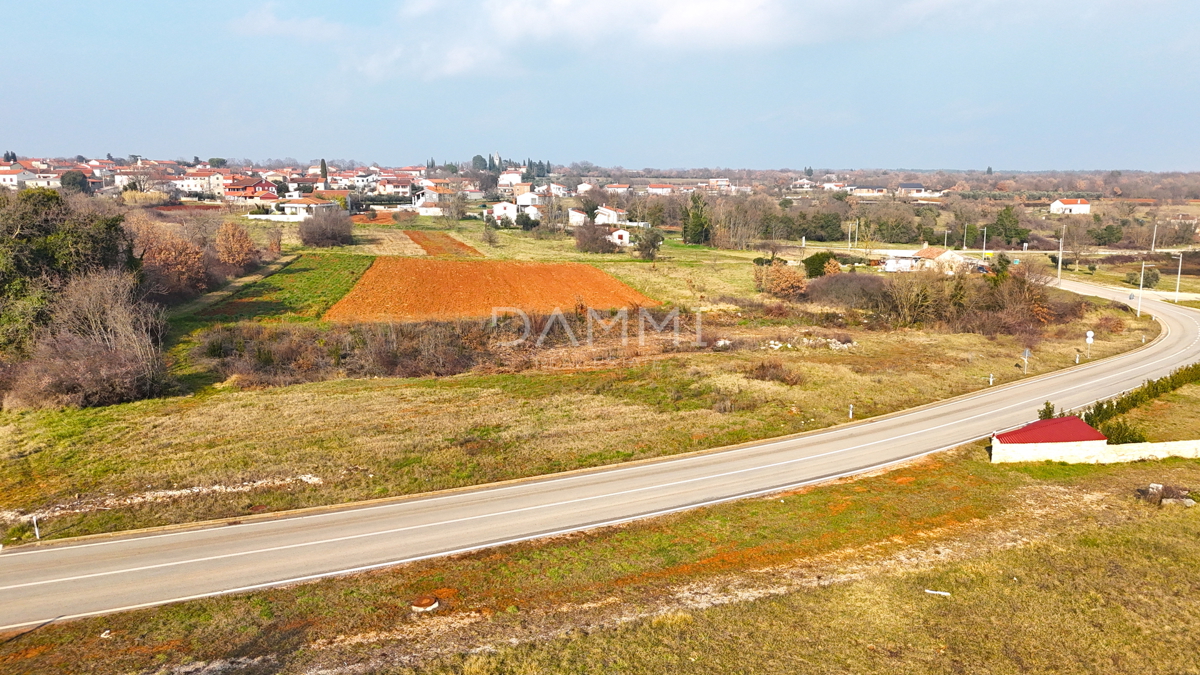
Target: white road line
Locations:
point(819, 437)
point(535, 507)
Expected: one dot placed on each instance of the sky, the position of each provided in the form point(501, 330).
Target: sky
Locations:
point(761, 84)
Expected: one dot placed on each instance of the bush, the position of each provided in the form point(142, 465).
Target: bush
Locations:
point(857, 291)
point(100, 348)
point(832, 267)
point(780, 280)
point(774, 370)
point(814, 265)
point(1120, 432)
point(489, 236)
point(234, 247)
point(327, 229)
point(1152, 277)
point(1110, 324)
point(174, 266)
point(593, 238)
point(647, 243)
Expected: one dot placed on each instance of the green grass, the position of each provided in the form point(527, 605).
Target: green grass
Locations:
point(302, 291)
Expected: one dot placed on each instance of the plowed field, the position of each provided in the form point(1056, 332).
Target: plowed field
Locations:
point(440, 243)
point(420, 289)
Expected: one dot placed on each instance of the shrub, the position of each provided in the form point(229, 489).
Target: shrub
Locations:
point(1110, 324)
point(174, 266)
point(774, 370)
point(234, 247)
point(327, 229)
point(593, 238)
point(832, 266)
point(100, 348)
point(1120, 432)
point(274, 242)
point(814, 265)
point(1152, 277)
point(648, 242)
point(780, 280)
point(489, 236)
point(404, 216)
point(848, 290)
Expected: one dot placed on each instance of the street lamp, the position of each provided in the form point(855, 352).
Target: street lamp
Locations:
point(1178, 277)
point(1141, 285)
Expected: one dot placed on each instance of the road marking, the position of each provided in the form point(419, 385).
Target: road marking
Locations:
point(825, 436)
point(656, 487)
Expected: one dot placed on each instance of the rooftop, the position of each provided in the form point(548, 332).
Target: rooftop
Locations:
point(1054, 430)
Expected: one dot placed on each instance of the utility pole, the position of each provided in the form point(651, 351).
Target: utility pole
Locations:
point(1178, 277)
point(1141, 285)
point(1060, 249)
point(983, 252)
point(1154, 237)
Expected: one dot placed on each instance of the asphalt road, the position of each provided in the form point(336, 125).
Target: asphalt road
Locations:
point(94, 577)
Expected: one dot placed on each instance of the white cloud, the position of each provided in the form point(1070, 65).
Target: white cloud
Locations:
point(431, 39)
point(265, 21)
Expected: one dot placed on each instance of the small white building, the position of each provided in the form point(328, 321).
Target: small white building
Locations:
point(610, 215)
point(509, 178)
point(619, 237)
point(529, 199)
point(583, 187)
point(1058, 439)
point(618, 188)
point(505, 210)
point(575, 217)
point(660, 189)
point(1071, 206)
point(305, 207)
point(15, 178)
point(533, 211)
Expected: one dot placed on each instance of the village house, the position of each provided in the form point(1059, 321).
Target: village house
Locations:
point(869, 191)
point(241, 189)
point(939, 259)
point(660, 189)
point(529, 199)
point(583, 187)
point(619, 237)
point(1071, 206)
point(609, 215)
point(618, 188)
point(509, 178)
point(575, 217)
point(505, 210)
point(834, 187)
point(521, 188)
point(433, 195)
point(912, 190)
point(16, 179)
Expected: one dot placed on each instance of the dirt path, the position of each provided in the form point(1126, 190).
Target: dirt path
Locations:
point(233, 286)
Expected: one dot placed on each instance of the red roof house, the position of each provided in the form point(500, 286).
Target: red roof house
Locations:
point(1059, 439)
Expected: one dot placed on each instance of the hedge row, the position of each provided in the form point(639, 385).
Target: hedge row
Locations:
point(1101, 412)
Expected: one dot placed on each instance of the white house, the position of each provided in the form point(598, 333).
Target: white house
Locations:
point(912, 190)
point(529, 199)
point(660, 189)
point(534, 211)
point(509, 178)
point(583, 187)
point(940, 259)
point(619, 237)
point(618, 188)
point(609, 215)
point(869, 191)
point(575, 217)
point(803, 184)
point(15, 178)
point(1071, 206)
point(559, 190)
point(833, 187)
point(433, 195)
point(505, 210)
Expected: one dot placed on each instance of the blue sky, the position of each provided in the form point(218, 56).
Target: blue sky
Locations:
point(923, 84)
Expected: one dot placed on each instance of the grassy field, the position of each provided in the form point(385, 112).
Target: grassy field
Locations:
point(1095, 583)
point(1172, 417)
point(302, 291)
point(386, 437)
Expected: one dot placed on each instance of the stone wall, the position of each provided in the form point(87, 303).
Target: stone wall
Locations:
point(1091, 452)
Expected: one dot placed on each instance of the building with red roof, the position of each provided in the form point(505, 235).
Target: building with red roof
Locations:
point(1059, 439)
point(1071, 206)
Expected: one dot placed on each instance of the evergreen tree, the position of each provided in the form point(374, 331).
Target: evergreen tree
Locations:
point(109, 157)
point(478, 163)
point(1008, 226)
point(696, 227)
point(491, 163)
point(324, 171)
point(808, 172)
point(989, 171)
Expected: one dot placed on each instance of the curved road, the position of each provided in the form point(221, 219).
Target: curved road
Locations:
point(99, 576)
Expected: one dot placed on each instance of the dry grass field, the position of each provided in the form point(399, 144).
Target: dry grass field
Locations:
point(386, 437)
point(1049, 568)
